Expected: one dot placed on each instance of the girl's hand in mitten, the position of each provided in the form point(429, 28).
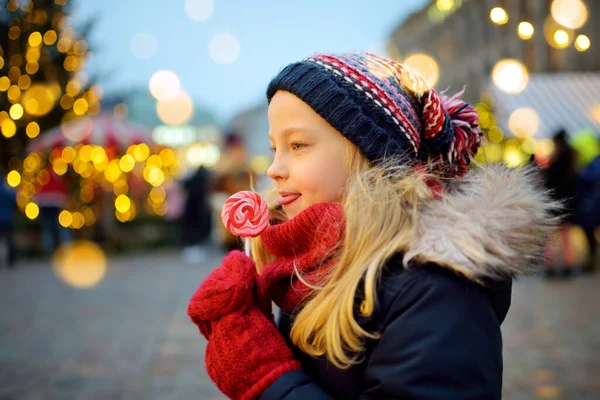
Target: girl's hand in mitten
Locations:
point(245, 352)
point(230, 287)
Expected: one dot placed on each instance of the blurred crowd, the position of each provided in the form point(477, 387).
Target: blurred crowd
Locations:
point(575, 183)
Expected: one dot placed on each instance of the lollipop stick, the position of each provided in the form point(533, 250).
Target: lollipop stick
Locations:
point(247, 246)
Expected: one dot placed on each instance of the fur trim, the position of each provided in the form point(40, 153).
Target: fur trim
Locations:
point(492, 223)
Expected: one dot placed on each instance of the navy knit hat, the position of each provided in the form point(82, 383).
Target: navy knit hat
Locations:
point(385, 109)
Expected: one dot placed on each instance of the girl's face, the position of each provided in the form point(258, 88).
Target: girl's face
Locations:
point(309, 163)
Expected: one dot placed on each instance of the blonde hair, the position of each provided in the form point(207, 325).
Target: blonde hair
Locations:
point(388, 197)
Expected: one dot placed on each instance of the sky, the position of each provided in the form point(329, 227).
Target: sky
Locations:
point(270, 34)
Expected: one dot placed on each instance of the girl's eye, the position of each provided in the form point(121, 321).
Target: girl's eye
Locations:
point(272, 148)
point(298, 146)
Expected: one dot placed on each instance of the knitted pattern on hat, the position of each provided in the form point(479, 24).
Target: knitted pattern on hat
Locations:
point(306, 245)
point(385, 109)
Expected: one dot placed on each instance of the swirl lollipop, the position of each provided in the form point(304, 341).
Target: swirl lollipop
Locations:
point(245, 214)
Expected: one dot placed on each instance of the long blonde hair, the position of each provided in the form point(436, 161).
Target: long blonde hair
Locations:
point(388, 197)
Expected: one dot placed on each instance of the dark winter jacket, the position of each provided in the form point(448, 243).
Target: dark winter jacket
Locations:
point(429, 319)
point(439, 319)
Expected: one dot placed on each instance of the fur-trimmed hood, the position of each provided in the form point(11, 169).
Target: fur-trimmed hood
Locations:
point(492, 223)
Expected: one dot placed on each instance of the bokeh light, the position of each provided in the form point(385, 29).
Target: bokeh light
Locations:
point(525, 30)
point(65, 218)
point(141, 152)
point(81, 264)
point(499, 16)
point(224, 48)
point(68, 154)
point(143, 46)
point(557, 35)
point(127, 162)
point(13, 178)
point(199, 10)
point(513, 156)
point(569, 13)
point(8, 127)
point(112, 173)
point(528, 145)
point(444, 5)
point(39, 99)
point(14, 93)
point(121, 187)
point(582, 43)
point(167, 156)
point(4, 83)
point(426, 66)
point(164, 85)
point(524, 122)
point(510, 76)
point(35, 39)
point(260, 164)
point(202, 154)
point(561, 38)
point(595, 112)
point(122, 203)
point(32, 211)
point(176, 111)
point(154, 161)
point(80, 106)
point(495, 134)
point(157, 195)
point(24, 82)
point(85, 153)
point(78, 220)
point(16, 111)
point(50, 37)
point(32, 130)
point(60, 166)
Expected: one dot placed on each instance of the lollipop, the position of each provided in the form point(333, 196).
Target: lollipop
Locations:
point(245, 214)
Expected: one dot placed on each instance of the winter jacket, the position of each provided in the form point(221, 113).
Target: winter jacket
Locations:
point(439, 317)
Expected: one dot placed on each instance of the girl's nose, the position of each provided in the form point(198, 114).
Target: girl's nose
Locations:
point(278, 169)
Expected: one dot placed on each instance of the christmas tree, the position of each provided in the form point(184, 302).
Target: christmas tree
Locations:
point(41, 80)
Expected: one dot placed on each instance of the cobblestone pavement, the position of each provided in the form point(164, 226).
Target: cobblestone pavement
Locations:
point(129, 336)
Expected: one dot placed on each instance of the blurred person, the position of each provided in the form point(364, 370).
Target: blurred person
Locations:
point(52, 198)
point(560, 179)
point(175, 197)
point(587, 210)
point(8, 206)
point(196, 218)
point(390, 259)
point(233, 175)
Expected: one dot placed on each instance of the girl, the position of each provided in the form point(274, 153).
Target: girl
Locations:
point(391, 262)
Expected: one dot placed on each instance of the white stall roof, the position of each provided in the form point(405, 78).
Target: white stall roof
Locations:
point(561, 100)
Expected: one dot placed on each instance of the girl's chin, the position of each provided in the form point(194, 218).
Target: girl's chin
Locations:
point(291, 212)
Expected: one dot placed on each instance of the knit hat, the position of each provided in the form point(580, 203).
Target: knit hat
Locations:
point(385, 109)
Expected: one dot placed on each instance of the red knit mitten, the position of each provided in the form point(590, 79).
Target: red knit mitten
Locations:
point(227, 288)
point(245, 352)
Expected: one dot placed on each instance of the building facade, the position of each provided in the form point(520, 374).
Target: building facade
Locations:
point(466, 44)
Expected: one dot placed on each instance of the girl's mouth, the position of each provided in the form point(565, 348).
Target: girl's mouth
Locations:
point(288, 198)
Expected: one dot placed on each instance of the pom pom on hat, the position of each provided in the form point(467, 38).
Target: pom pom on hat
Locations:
point(451, 132)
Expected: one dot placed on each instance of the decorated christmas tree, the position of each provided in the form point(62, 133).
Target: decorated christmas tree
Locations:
point(41, 80)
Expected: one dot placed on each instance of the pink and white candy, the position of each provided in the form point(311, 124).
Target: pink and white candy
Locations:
point(245, 214)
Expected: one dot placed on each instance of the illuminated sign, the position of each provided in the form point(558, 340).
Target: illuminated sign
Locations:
point(183, 135)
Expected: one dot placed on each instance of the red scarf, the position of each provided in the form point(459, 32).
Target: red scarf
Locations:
point(305, 245)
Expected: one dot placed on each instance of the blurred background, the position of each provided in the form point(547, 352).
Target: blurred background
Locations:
point(126, 124)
